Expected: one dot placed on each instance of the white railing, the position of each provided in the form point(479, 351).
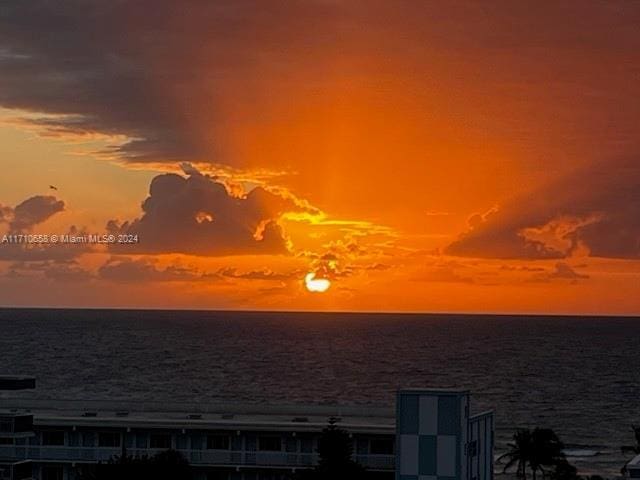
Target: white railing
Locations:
point(195, 457)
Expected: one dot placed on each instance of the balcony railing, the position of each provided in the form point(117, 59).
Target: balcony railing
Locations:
point(195, 457)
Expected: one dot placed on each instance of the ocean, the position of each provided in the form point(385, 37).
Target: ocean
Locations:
point(577, 375)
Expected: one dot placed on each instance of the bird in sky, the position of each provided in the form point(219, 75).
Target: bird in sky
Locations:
point(53, 187)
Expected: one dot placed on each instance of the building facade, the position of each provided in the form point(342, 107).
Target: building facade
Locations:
point(248, 442)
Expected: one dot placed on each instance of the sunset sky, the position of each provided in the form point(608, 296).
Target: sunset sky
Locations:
point(454, 156)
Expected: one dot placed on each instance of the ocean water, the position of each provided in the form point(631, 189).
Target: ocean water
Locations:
point(577, 375)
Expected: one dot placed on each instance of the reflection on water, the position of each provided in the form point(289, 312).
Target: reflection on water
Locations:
point(579, 376)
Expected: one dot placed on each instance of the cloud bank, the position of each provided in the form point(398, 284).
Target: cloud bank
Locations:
point(595, 211)
point(155, 72)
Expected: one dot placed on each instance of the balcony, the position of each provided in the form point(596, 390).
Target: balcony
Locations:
point(195, 457)
point(15, 471)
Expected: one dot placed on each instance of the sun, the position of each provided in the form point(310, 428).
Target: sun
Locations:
point(316, 285)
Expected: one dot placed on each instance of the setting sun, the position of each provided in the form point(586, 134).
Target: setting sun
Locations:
point(316, 284)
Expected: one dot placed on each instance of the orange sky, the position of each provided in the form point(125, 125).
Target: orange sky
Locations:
point(422, 156)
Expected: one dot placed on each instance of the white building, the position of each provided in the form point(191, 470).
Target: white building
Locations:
point(431, 436)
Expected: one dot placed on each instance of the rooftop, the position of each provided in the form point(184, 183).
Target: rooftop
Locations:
point(126, 414)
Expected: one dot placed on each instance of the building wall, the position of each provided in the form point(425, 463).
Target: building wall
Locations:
point(214, 454)
point(431, 435)
point(481, 447)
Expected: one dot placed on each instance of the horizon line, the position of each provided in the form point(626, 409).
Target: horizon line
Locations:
point(329, 312)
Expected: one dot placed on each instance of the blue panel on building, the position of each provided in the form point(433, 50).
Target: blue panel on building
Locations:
point(408, 414)
point(448, 415)
point(427, 455)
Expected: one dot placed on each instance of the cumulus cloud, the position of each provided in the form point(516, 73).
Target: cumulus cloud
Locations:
point(595, 211)
point(197, 215)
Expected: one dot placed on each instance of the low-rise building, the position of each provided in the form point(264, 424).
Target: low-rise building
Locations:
point(254, 442)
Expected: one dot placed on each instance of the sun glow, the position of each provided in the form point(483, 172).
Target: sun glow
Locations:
point(318, 285)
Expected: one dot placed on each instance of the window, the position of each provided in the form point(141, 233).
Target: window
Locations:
point(270, 444)
point(472, 448)
point(88, 439)
point(52, 438)
point(160, 441)
point(306, 445)
point(109, 439)
point(52, 472)
point(362, 446)
point(6, 441)
point(291, 444)
point(218, 442)
point(182, 442)
point(141, 440)
point(381, 446)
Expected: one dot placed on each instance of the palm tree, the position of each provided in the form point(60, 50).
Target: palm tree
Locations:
point(547, 451)
point(519, 453)
point(635, 449)
point(534, 450)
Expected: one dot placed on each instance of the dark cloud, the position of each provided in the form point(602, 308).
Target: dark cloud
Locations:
point(22, 219)
point(561, 271)
point(260, 274)
point(596, 209)
point(379, 267)
point(67, 273)
point(141, 270)
point(43, 251)
point(443, 274)
point(5, 213)
point(153, 71)
point(196, 215)
point(523, 268)
point(159, 72)
point(55, 270)
point(31, 212)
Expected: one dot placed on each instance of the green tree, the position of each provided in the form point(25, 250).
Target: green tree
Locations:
point(335, 450)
